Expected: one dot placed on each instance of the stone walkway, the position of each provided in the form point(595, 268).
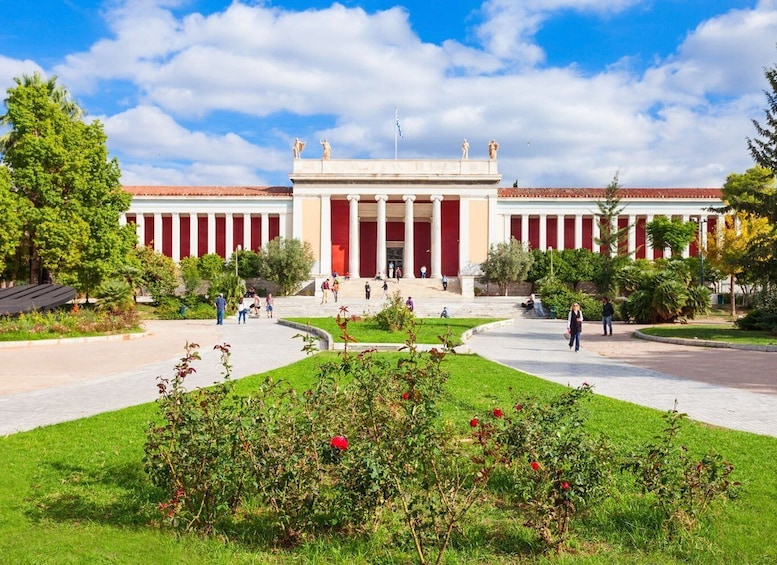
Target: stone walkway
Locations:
point(46, 384)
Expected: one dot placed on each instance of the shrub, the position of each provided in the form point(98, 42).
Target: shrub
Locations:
point(115, 296)
point(556, 469)
point(682, 487)
point(759, 319)
point(394, 316)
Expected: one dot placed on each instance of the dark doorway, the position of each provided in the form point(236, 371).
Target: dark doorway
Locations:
point(394, 257)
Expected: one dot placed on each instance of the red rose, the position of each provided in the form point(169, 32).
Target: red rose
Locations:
point(405, 396)
point(565, 486)
point(339, 442)
point(535, 465)
point(498, 413)
point(518, 407)
point(473, 422)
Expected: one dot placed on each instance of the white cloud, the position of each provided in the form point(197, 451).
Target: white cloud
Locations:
point(681, 123)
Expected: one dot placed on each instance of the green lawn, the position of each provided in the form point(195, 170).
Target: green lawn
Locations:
point(369, 332)
point(76, 493)
point(721, 332)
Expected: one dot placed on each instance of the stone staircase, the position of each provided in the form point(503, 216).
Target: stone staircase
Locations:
point(417, 288)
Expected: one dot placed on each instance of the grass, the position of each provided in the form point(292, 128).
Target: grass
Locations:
point(713, 333)
point(369, 332)
point(76, 493)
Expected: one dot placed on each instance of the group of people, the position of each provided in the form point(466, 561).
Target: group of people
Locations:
point(575, 322)
point(327, 287)
point(249, 302)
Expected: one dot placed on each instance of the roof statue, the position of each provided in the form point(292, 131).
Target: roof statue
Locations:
point(298, 147)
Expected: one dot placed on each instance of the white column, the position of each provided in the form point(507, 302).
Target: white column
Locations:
point(687, 250)
point(544, 232)
point(408, 256)
point(176, 237)
point(158, 232)
point(265, 229)
point(122, 220)
point(631, 246)
point(211, 232)
point(595, 247)
point(436, 236)
point(525, 230)
point(578, 231)
point(229, 239)
point(326, 234)
point(380, 250)
point(508, 223)
point(353, 236)
point(194, 232)
point(140, 229)
point(560, 228)
point(282, 227)
point(247, 231)
point(649, 251)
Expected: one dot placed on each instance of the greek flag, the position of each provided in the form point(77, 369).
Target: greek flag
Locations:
point(399, 128)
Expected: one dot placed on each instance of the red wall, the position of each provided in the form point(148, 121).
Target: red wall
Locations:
point(450, 237)
point(515, 227)
point(569, 232)
point(551, 239)
point(340, 235)
point(641, 239)
point(256, 233)
point(275, 227)
point(368, 239)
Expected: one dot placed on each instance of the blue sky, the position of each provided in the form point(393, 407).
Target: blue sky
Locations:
point(213, 92)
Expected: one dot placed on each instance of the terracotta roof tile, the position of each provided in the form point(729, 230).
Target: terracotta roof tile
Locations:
point(624, 193)
point(272, 191)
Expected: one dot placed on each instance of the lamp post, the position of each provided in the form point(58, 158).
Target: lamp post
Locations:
point(550, 249)
point(238, 249)
point(701, 251)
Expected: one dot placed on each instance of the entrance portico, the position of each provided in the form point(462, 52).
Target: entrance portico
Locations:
point(361, 216)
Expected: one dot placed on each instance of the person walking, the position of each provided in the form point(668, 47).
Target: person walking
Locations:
point(221, 306)
point(385, 289)
point(242, 310)
point(575, 326)
point(367, 290)
point(410, 304)
point(335, 288)
point(269, 305)
point(325, 291)
point(444, 282)
point(423, 271)
point(607, 313)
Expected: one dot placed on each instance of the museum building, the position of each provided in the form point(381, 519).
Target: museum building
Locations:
point(365, 217)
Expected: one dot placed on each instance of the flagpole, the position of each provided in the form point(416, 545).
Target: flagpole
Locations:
point(396, 130)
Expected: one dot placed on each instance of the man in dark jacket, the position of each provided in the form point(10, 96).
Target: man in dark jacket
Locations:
point(607, 313)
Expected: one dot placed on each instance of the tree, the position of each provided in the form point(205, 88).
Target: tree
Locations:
point(286, 262)
point(12, 225)
point(159, 272)
point(673, 233)
point(728, 252)
point(764, 147)
point(506, 263)
point(69, 191)
point(610, 236)
point(754, 195)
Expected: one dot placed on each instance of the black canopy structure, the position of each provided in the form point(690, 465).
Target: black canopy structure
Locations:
point(32, 297)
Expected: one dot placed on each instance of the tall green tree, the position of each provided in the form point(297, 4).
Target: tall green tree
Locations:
point(11, 230)
point(507, 262)
point(610, 235)
point(764, 147)
point(69, 189)
point(286, 262)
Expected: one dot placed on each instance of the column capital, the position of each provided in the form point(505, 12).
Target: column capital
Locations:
point(381, 197)
point(436, 197)
point(408, 197)
point(352, 197)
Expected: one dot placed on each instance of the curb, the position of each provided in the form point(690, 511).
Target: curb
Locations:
point(705, 343)
point(69, 340)
point(330, 345)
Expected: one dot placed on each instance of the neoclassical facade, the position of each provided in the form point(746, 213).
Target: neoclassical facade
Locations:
point(366, 216)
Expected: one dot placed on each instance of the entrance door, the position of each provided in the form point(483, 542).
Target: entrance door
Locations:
point(394, 260)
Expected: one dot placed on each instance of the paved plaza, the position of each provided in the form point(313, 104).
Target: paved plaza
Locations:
point(46, 384)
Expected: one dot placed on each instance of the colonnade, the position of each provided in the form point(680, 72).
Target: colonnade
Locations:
point(710, 223)
point(231, 242)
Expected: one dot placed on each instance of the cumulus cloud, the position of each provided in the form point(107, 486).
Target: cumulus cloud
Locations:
point(339, 72)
